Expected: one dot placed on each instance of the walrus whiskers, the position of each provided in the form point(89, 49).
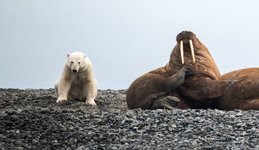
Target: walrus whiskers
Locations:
point(181, 51)
point(192, 50)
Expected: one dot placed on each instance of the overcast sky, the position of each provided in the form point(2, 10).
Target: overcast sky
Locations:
point(123, 38)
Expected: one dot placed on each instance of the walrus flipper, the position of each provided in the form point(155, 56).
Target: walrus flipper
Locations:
point(169, 102)
point(202, 89)
point(178, 79)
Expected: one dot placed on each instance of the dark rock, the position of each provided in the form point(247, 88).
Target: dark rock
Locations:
point(31, 119)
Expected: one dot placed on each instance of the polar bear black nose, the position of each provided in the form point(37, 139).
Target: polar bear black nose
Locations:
point(74, 70)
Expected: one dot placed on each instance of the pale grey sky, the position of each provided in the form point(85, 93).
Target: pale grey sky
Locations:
point(123, 38)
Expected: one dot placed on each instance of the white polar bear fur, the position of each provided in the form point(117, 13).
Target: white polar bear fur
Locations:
point(77, 80)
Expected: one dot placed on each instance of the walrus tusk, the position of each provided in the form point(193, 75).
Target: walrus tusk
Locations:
point(192, 50)
point(181, 51)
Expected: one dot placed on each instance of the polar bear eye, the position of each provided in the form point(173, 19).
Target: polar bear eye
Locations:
point(72, 62)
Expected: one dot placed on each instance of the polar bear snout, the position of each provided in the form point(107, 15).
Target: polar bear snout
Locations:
point(74, 70)
point(74, 67)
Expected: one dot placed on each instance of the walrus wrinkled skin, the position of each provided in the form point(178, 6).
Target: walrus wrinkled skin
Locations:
point(206, 86)
point(244, 92)
point(152, 90)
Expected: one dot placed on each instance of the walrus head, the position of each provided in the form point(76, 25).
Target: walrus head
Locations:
point(191, 52)
point(185, 39)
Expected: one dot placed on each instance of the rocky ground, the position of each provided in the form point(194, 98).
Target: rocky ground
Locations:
point(30, 119)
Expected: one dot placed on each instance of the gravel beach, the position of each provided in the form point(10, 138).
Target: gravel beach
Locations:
point(30, 119)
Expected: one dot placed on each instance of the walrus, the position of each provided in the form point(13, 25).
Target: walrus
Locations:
point(244, 92)
point(205, 86)
point(201, 90)
point(152, 90)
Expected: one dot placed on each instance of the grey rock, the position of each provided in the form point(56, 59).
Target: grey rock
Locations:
point(31, 119)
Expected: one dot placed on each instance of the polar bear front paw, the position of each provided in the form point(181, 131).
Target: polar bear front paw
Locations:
point(90, 102)
point(61, 100)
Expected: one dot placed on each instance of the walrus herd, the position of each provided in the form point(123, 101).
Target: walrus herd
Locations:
point(191, 79)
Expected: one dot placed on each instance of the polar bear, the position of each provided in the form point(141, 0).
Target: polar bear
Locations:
point(77, 80)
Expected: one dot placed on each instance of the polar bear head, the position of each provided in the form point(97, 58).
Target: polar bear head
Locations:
point(77, 61)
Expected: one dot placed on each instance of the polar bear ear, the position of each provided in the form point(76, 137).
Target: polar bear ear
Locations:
point(68, 54)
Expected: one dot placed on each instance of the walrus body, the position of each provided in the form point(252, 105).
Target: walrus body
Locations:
point(152, 90)
point(206, 86)
point(202, 90)
point(244, 92)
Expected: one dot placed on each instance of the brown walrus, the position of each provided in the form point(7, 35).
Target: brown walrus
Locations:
point(205, 89)
point(206, 86)
point(152, 90)
point(244, 92)
point(199, 91)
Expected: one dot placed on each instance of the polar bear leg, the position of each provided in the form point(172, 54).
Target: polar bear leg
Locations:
point(91, 93)
point(56, 89)
point(63, 88)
